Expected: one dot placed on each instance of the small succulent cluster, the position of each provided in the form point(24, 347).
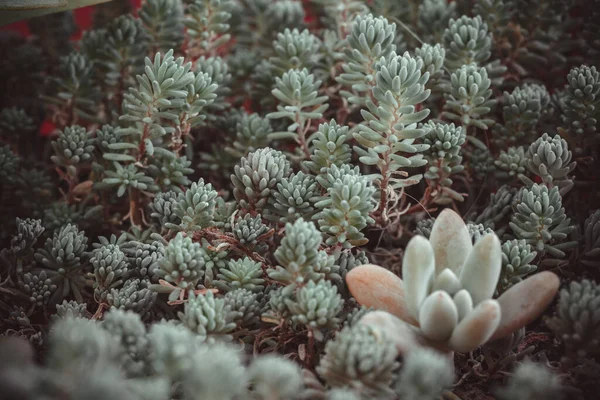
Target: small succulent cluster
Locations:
point(290, 199)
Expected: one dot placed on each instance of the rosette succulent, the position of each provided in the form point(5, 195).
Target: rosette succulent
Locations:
point(446, 292)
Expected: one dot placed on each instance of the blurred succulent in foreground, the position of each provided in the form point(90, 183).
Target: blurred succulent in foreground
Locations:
point(361, 358)
point(577, 323)
point(591, 240)
point(531, 381)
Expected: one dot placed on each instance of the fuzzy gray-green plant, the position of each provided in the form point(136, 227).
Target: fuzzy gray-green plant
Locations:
point(38, 287)
point(581, 100)
point(517, 258)
point(370, 39)
point(299, 101)
point(511, 163)
point(135, 295)
point(275, 377)
point(294, 198)
point(244, 273)
point(76, 343)
point(144, 257)
point(15, 124)
point(110, 269)
point(433, 62)
point(207, 316)
point(360, 358)
point(170, 174)
point(540, 219)
point(72, 88)
point(298, 253)
point(316, 305)
point(532, 381)
point(28, 232)
point(444, 159)
point(73, 146)
point(9, 162)
point(329, 147)
point(70, 309)
point(251, 133)
point(257, 175)
point(550, 159)
point(163, 22)
point(294, 49)
point(129, 330)
point(591, 234)
point(195, 207)
point(386, 138)
point(63, 258)
point(577, 323)
point(469, 97)
point(222, 378)
point(246, 304)
point(425, 375)
point(183, 263)
point(522, 110)
point(346, 212)
point(466, 41)
point(498, 209)
point(207, 24)
point(251, 231)
point(163, 208)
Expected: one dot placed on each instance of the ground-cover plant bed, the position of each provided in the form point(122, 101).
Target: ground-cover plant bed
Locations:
point(280, 199)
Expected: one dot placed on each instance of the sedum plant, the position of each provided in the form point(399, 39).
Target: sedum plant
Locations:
point(238, 165)
point(390, 123)
point(540, 220)
point(576, 323)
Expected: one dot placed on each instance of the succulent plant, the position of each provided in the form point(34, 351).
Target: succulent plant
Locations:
point(63, 257)
point(347, 211)
point(294, 198)
point(370, 39)
point(28, 232)
point(449, 287)
point(298, 253)
point(540, 219)
point(195, 207)
point(250, 231)
point(532, 381)
point(207, 316)
point(591, 231)
point(241, 274)
point(246, 305)
point(550, 159)
point(257, 176)
point(38, 287)
point(577, 322)
point(275, 376)
point(135, 295)
point(581, 100)
point(73, 146)
point(468, 98)
point(361, 358)
point(425, 375)
point(110, 269)
point(183, 262)
point(517, 258)
point(330, 147)
point(316, 305)
point(466, 41)
point(511, 163)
